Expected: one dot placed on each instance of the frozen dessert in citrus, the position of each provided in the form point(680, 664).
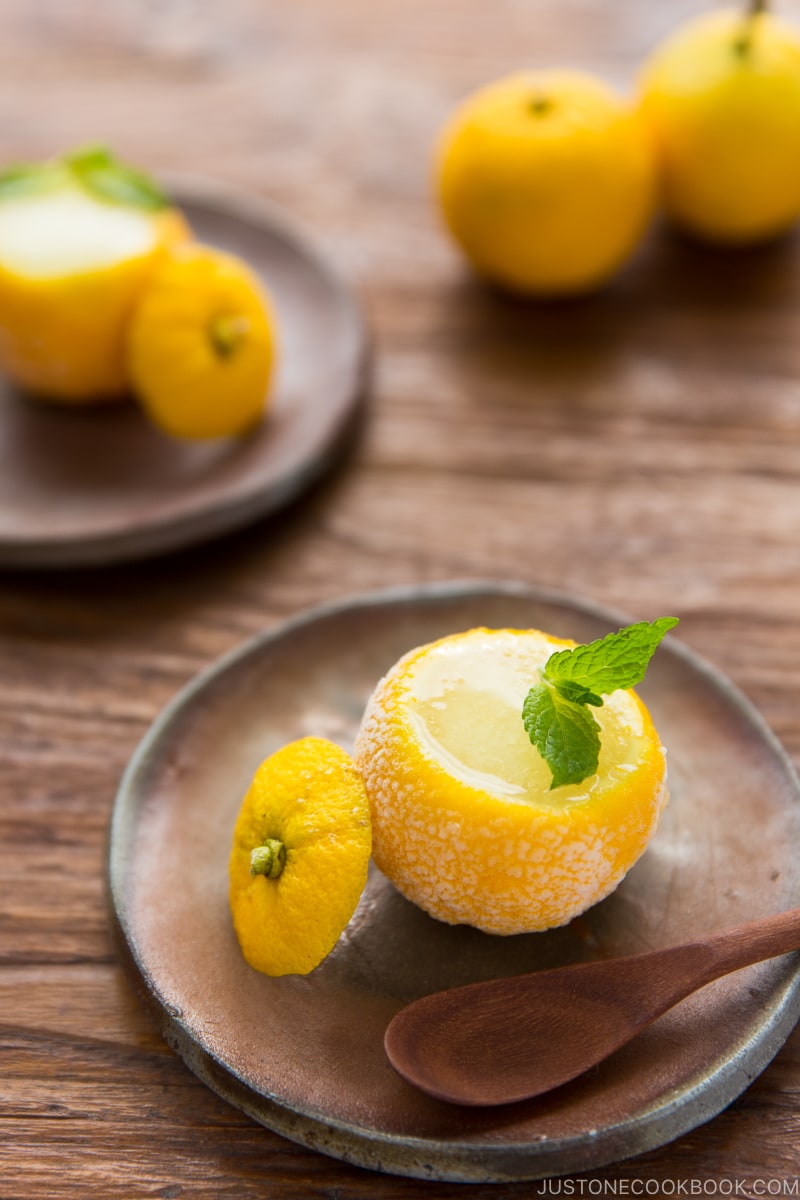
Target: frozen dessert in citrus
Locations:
point(300, 854)
point(201, 345)
point(722, 97)
point(79, 237)
point(546, 180)
point(472, 821)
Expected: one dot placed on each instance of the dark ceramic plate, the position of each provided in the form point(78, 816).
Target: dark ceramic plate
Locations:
point(304, 1055)
point(102, 485)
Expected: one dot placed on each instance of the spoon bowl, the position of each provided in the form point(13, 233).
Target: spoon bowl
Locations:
point(504, 1040)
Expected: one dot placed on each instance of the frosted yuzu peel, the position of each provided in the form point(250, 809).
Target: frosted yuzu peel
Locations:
point(465, 823)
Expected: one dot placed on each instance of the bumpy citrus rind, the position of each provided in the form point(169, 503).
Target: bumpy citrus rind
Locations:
point(469, 857)
point(188, 385)
point(310, 797)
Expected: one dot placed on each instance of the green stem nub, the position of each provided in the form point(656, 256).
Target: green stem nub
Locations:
point(540, 106)
point(744, 43)
point(226, 333)
point(269, 859)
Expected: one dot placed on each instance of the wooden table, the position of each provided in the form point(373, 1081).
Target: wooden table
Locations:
point(641, 448)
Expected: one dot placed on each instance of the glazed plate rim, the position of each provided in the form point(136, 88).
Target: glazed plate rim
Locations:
point(422, 1157)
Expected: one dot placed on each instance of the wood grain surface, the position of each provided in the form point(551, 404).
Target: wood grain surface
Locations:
point(641, 448)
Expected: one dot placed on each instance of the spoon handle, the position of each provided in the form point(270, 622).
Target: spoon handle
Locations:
point(751, 943)
point(659, 979)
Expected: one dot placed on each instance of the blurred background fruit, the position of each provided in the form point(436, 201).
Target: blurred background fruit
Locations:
point(547, 181)
point(722, 97)
point(79, 238)
point(201, 345)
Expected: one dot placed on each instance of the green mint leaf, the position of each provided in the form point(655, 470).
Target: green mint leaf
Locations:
point(94, 155)
point(618, 660)
point(23, 179)
point(97, 169)
point(565, 734)
point(577, 693)
point(554, 713)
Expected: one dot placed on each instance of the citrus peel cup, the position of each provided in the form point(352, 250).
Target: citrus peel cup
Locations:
point(465, 822)
point(79, 240)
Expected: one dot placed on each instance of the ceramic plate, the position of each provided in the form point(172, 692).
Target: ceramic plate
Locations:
point(304, 1055)
point(103, 485)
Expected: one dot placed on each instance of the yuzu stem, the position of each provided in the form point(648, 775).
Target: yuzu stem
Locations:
point(227, 332)
point(755, 8)
point(269, 859)
point(541, 105)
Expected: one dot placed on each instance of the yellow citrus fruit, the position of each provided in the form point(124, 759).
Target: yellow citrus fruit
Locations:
point(547, 181)
point(722, 97)
point(73, 261)
point(201, 345)
point(464, 822)
point(300, 855)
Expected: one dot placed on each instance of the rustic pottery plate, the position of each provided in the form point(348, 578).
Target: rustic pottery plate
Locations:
point(103, 485)
point(304, 1055)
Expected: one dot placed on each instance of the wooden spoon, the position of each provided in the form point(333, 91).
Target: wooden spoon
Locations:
point(510, 1039)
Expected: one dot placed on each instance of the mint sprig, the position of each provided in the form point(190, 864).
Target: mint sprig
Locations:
point(555, 712)
point(565, 733)
point(29, 178)
point(95, 169)
point(100, 172)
